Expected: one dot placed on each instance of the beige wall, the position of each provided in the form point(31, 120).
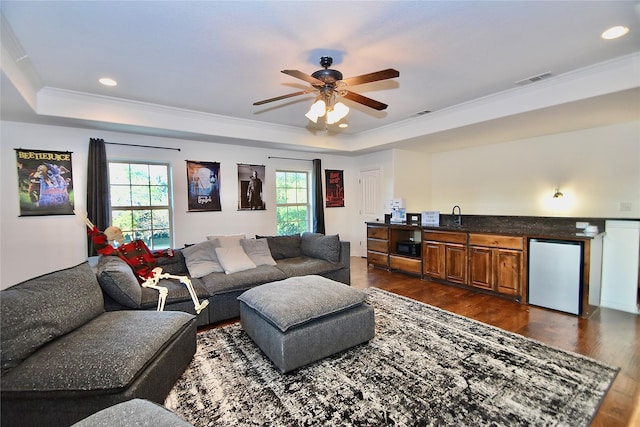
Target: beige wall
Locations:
point(596, 169)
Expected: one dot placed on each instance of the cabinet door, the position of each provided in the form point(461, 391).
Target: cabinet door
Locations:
point(456, 263)
point(508, 274)
point(433, 254)
point(481, 267)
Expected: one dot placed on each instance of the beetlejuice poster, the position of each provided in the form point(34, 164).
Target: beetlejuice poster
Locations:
point(45, 182)
point(204, 186)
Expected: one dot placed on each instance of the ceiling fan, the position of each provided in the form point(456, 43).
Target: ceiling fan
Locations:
point(328, 83)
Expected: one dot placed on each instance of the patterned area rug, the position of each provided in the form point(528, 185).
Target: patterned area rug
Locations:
point(425, 366)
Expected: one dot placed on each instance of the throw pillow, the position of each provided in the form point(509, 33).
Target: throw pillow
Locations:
point(234, 259)
point(118, 281)
point(318, 245)
point(201, 258)
point(283, 246)
point(258, 251)
point(228, 241)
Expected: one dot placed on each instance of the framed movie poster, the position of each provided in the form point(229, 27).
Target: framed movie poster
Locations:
point(250, 187)
point(203, 180)
point(334, 188)
point(45, 182)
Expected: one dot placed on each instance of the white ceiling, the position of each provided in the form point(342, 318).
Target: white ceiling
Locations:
point(192, 69)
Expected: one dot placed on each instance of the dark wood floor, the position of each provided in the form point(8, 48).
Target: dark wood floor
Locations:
point(610, 336)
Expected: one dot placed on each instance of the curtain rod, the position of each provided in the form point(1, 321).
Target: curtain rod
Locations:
point(144, 146)
point(290, 158)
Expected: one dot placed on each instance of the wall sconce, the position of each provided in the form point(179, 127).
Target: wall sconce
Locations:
point(557, 194)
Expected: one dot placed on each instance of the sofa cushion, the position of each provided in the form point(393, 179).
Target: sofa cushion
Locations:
point(178, 292)
point(314, 296)
point(304, 266)
point(104, 354)
point(42, 309)
point(234, 259)
point(201, 258)
point(175, 264)
point(118, 281)
point(258, 251)
point(283, 246)
point(220, 283)
point(228, 241)
point(318, 245)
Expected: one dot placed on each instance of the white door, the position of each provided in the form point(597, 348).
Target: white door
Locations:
point(370, 204)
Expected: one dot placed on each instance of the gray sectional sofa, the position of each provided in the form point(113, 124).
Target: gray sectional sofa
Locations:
point(273, 258)
point(64, 357)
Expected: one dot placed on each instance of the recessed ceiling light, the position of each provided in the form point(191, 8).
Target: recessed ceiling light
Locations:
point(343, 125)
point(614, 32)
point(108, 82)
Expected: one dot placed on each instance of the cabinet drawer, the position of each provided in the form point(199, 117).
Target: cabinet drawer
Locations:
point(445, 236)
point(495, 241)
point(376, 258)
point(405, 264)
point(377, 245)
point(378, 233)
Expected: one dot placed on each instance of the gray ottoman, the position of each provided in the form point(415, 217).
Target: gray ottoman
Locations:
point(299, 320)
point(136, 412)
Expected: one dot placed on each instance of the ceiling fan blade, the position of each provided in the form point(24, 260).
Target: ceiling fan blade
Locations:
point(278, 98)
point(389, 73)
point(372, 103)
point(302, 76)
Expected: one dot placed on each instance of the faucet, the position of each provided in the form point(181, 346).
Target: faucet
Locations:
point(457, 220)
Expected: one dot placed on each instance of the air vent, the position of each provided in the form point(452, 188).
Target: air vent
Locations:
point(420, 113)
point(534, 79)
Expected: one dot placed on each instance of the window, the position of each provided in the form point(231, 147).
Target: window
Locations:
point(140, 202)
point(292, 202)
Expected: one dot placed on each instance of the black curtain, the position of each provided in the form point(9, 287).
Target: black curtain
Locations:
point(318, 199)
point(97, 188)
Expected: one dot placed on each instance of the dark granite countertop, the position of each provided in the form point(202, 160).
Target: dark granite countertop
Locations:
point(563, 228)
point(529, 232)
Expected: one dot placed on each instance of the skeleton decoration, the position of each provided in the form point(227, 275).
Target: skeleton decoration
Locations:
point(143, 262)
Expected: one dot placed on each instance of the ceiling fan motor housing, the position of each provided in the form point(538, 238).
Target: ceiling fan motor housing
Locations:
point(328, 76)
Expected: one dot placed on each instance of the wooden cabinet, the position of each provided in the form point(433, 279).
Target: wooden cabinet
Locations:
point(383, 247)
point(496, 263)
point(378, 245)
point(444, 255)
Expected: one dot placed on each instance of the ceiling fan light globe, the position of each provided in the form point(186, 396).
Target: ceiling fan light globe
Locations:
point(318, 108)
point(341, 110)
point(311, 116)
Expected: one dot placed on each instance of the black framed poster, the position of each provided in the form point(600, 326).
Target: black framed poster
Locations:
point(334, 188)
point(45, 182)
point(203, 180)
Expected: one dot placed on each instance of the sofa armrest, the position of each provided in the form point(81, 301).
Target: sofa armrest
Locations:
point(345, 253)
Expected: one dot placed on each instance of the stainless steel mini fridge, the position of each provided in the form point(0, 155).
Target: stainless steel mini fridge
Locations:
point(555, 274)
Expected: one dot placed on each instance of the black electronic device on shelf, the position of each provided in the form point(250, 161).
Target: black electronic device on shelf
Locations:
point(408, 247)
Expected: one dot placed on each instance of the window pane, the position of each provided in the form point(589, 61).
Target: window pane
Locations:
point(122, 219)
point(118, 173)
point(140, 196)
point(301, 195)
point(158, 175)
point(139, 174)
point(159, 195)
point(120, 195)
point(281, 195)
point(160, 218)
